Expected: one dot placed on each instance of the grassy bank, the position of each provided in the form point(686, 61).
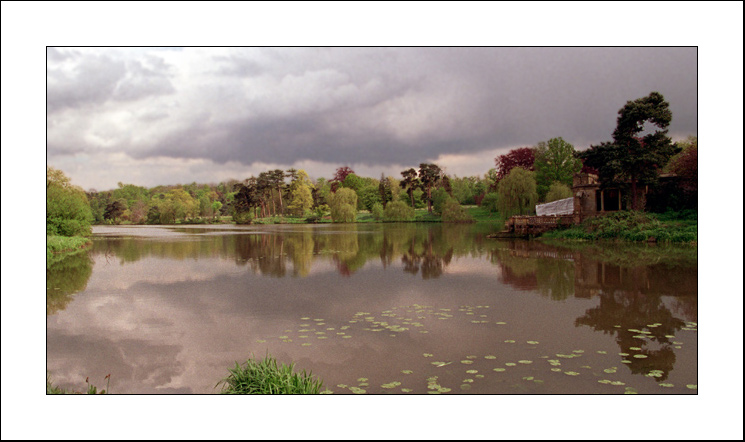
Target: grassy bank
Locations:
point(58, 246)
point(633, 226)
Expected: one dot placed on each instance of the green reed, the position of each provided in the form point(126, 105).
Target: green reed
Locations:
point(267, 377)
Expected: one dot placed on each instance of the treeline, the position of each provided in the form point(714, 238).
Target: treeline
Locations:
point(520, 179)
point(289, 193)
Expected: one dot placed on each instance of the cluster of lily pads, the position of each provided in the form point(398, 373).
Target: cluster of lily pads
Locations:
point(410, 319)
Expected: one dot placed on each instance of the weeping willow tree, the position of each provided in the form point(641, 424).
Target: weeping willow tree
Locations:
point(517, 194)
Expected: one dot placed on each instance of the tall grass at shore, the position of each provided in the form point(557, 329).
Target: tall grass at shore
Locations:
point(57, 245)
point(267, 377)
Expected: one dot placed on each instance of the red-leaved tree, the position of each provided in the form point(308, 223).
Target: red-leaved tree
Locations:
point(522, 157)
point(341, 174)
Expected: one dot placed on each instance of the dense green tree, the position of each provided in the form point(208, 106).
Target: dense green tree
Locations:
point(395, 187)
point(429, 175)
point(384, 188)
point(216, 206)
point(352, 181)
point(631, 157)
point(68, 210)
point(115, 210)
point(517, 193)
point(343, 205)
point(368, 196)
point(452, 212)
point(377, 211)
point(178, 205)
point(301, 198)
point(439, 197)
point(410, 183)
point(558, 191)
point(491, 202)
point(131, 193)
point(555, 161)
point(398, 211)
point(277, 178)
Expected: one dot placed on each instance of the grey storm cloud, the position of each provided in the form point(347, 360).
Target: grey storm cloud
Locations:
point(96, 79)
point(372, 105)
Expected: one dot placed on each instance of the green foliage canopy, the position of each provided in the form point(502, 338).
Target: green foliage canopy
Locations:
point(517, 193)
point(631, 157)
point(68, 210)
point(555, 161)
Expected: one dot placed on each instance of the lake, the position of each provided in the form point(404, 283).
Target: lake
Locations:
point(373, 308)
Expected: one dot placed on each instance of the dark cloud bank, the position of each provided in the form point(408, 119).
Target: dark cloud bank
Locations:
point(379, 106)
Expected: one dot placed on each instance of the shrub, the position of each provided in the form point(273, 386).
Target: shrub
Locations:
point(439, 198)
point(377, 211)
point(398, 211)
point(266, 377)
point(242, 217)
point(452, 212)
point(346, 213)
point(490, 201)
point(68, 210)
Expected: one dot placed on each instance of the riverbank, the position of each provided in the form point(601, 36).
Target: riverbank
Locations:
point(60, 246)
point(629, 226)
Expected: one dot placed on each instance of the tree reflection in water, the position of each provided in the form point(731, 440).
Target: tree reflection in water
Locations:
point(66, 277)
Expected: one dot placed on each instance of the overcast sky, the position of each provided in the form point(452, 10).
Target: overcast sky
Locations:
point(152, 116)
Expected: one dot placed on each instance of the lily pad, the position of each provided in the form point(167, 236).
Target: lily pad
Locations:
point(525, 362)
point(509, 341)
point(666, 385)
point(490, 357)
point(533, 342)
point(510, 364)
point(466, 361)
point(692, 386)
point(406, 390)
point(499, 369)
point(571, 373)
point(640, 356)
point(472, 371)
point(407, 371)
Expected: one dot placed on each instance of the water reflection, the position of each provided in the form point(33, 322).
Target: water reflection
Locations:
point(213, 295)
point(65, 278)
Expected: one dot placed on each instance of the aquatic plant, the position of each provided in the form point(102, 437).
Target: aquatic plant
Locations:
point(267, 377)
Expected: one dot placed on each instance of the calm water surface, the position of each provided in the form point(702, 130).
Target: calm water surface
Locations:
point(377, 309)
